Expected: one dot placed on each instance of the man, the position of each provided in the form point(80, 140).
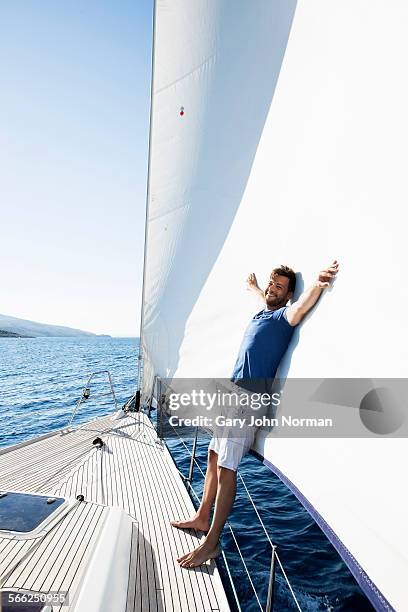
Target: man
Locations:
point(264, 344)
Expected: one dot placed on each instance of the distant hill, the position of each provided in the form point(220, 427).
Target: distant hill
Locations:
point(21, 327)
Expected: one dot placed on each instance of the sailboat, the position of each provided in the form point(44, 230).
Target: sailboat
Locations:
point(277, 134)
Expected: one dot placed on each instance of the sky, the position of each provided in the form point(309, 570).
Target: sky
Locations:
point(74, 126)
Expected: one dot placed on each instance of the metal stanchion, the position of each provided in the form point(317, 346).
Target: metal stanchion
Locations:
point(271, 586)
point(160, 400)
point(152, 396)
point(193, 454)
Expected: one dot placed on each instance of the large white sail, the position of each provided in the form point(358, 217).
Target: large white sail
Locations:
point(278, 136)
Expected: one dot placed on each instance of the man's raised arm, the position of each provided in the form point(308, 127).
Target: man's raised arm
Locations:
point(308, 299)
point(252, 285)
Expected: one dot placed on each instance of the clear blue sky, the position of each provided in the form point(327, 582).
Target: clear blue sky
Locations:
point(74, 120)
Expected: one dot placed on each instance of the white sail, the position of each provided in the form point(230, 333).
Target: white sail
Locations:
point(278, 136)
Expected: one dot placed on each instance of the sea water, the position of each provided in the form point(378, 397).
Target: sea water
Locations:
point(41, 380)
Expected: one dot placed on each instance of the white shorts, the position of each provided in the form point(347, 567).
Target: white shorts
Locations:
point(229, 446)
point(231, 450)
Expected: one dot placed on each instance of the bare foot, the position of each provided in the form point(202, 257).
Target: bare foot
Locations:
point(199, 555)
point(197, 522)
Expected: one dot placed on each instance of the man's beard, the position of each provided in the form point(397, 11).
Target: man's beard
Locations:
point(273, 302)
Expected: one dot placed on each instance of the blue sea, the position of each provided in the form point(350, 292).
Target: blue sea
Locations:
point(41, 379)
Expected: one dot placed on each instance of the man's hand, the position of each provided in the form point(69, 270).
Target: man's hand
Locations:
point(252, 285)
point(297, 311)
point(326, 276)
point(251, 281)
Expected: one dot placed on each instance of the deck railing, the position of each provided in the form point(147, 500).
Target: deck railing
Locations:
point(86, 394)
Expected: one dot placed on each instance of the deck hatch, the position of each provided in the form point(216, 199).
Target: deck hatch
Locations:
point(24, 512)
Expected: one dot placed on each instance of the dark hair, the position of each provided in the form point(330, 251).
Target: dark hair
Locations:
point(289, 273)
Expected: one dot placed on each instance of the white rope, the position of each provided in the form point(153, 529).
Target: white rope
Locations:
point(289, 585)
point(255, 508)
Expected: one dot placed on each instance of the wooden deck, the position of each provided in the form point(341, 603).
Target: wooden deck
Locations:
point(133, 471)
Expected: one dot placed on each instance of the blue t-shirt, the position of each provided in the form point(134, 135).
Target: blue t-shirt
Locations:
point(263, 346)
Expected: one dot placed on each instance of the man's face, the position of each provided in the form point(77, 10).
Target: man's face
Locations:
point(277, 292)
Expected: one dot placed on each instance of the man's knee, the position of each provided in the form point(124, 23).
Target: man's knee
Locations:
point(212, 455)
point(225, 473)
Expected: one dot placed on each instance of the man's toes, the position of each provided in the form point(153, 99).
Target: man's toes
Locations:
point(193, 562)
point(189, 559)
point(185, 557)
point(186, 561)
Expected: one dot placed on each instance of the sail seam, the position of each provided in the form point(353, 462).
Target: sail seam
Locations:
point(168, 212)
point(187, 74)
